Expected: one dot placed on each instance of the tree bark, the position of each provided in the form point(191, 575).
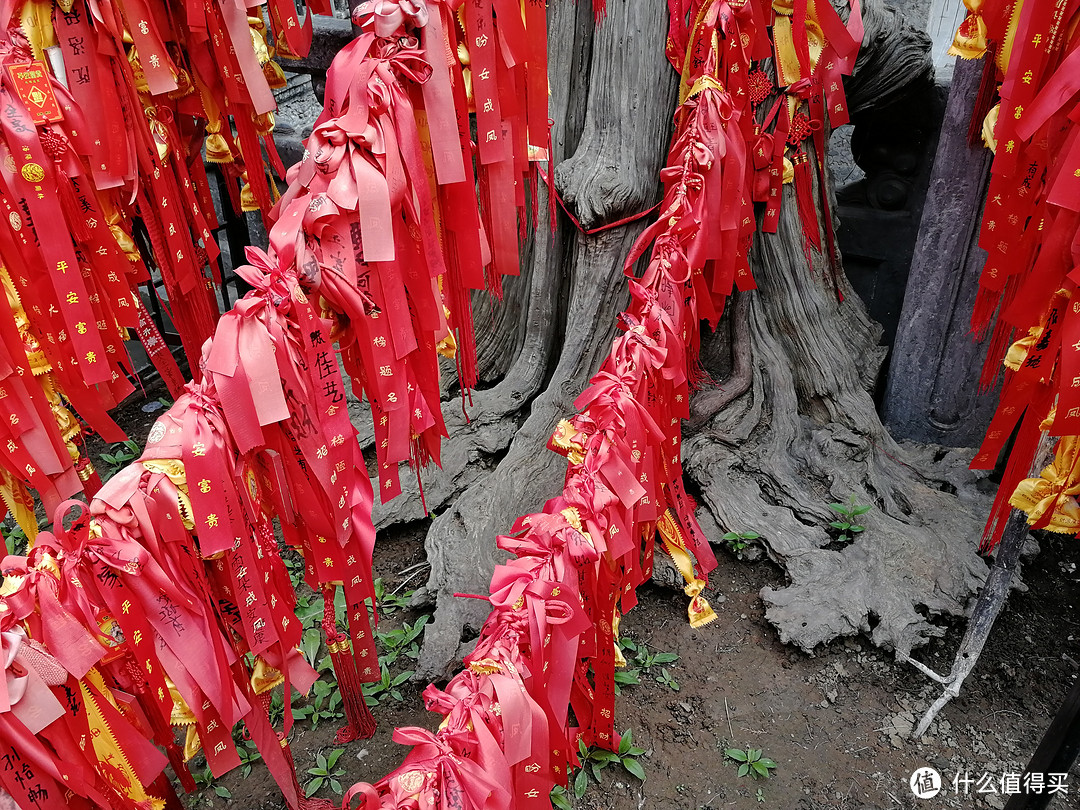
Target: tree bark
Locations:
point(790, 426)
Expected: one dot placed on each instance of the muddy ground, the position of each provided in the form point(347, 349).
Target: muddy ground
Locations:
point(834, 723)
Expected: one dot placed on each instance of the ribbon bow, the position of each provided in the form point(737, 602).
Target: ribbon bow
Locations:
point(387, 17)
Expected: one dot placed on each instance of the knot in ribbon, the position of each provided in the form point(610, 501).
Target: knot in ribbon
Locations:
point(265, 276)
point(388, 17)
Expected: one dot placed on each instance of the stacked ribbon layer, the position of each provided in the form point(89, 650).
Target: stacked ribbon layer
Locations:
point(1031, 232)
point(374, 246)
point(541, 679)
point(106, 107)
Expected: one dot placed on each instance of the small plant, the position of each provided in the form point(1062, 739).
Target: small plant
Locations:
point(277, 707)
point(643, 661)
point(310, 643)
point(388, 602)
point(647, 660)
point(751, 762)
point(665, 678)
point(760, 795)
point(374, 692)
point(594, 760)
point(121, 455)
point(738, 542)
point(249, 755)
point(560, 798)
point(847, 515)
point(15, 539)
point(204, 778)
point(325, 702)
point(626, 677)
point(326, 772)
point(402, 640)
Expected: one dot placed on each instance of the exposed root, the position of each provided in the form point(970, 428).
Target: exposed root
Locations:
point(709, 402)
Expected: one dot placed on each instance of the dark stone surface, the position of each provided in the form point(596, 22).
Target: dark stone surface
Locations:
point(330, 36)
point(931, 392)
point(878, 215)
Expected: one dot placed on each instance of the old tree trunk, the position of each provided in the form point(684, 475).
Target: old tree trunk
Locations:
point(789, 427)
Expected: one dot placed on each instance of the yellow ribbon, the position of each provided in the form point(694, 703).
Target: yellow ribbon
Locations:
point(1055, 489)
point(685, 85)
point(20, 503)
point(570, 440)
point(970, 39)
point(699, 610)
point(174, 470)
point(113, 764)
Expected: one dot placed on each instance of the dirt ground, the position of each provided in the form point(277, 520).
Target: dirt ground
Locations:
point(835, 723)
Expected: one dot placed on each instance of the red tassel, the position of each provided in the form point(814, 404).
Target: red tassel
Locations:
point(984, 99)
point(533, 182)
point(359, 722)
point(305, 802)
point(76, 220)
point(599, 8)
point(461, 318)
point(1000, 341)
point(1021, 457)
point(986, 307)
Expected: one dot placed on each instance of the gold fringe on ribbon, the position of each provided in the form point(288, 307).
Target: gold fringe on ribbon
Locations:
point(988, 126)
point(20, 503)
point(113, 763)
point(264, 123)
point(217, 148)
point(247, 196)
point(265, 677)
point(568, 441)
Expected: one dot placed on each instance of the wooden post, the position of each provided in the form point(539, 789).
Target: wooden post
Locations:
point(931, 392)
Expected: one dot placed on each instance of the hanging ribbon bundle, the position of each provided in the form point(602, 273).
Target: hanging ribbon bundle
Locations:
point(391, 260)
point(549, 647)
point(178, 553)
point(1031, 232)
point(106, 106)
point(782, 64)
point(67, 286)
point(362, 251)
point(111, 603)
